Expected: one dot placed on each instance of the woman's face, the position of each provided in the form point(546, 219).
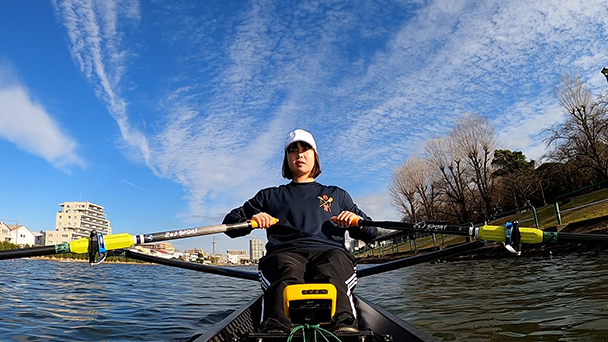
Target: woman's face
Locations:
point(301, 158)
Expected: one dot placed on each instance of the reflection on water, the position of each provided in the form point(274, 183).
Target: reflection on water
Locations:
point(519, 299)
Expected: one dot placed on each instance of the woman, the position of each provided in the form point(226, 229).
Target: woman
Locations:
point(304, 245)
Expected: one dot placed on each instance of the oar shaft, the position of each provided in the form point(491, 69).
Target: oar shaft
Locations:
point(189, 232)
point(421, 227)
point(599, 239)
point(27, 252)
point(224, 271)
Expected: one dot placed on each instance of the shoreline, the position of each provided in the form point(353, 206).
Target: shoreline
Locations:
point(51, 259)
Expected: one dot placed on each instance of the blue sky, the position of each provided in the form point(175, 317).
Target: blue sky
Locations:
point(171, 113)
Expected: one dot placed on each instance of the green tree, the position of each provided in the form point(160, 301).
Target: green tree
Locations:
point(517, 181)
point(507, 162)
point(8, 245)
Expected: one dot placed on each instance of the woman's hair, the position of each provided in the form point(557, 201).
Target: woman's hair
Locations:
point(314, 173)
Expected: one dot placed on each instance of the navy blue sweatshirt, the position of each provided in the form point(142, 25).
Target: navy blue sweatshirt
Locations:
point(304, 211)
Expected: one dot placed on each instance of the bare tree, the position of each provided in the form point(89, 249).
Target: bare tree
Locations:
point(442, 154)
point(403, 191)
point(582, 138)
point(412, 190)
point(475, 139)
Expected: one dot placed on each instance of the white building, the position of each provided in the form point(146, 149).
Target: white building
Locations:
point(353, 245)
point(256, 249)
point(235, 256)
point(19, 235)
point(55, 237)
point(5, 232)
point(76, 220)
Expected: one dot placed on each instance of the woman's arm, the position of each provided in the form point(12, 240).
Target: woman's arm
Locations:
point(366, 234)
point(237, 215)
point(251, 208)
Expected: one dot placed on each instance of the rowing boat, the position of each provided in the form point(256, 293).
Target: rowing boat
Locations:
point(375, 324)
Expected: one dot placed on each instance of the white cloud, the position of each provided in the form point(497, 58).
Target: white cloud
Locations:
point(522, 128)
point(96, 47)
point(378, 206)
point(31, 128)
point(371, 82)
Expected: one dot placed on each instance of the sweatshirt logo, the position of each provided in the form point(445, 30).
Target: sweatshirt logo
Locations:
point(325, 202)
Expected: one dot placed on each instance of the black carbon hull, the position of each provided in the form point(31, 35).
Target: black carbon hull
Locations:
point(375, 324)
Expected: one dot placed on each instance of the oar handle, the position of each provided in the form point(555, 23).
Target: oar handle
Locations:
point(255, 224)
point(353, 223)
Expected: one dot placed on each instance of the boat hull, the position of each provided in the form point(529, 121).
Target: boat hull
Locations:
point(375, 324)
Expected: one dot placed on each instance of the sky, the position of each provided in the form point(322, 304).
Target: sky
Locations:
point(171, 113)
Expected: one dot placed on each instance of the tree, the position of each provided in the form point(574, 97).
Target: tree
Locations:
point(412, 190)
point(581, 139)
point(516, 178)
point(507, 162)
point(442, 154)
point(561, 178)
point(476, 140)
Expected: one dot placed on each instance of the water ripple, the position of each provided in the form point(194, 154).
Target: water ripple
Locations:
point(519, 299)
point(523, 299)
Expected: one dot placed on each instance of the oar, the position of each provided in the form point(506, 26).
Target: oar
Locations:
point(487, 233)
point(417, 259)
point(223, 271)
point(123, 240)
point(365, 272)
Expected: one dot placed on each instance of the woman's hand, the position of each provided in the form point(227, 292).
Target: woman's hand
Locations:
point(346, 219)
point(264, 220)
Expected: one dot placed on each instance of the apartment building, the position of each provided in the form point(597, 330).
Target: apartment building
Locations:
point(256, 249)
point(55, 237)
point(76, 220)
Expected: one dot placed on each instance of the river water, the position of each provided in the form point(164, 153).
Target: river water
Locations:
point(521, 299)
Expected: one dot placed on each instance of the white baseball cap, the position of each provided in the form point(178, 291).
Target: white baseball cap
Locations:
point(300, 135)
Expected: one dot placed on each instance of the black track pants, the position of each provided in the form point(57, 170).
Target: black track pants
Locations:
point(279, 269)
